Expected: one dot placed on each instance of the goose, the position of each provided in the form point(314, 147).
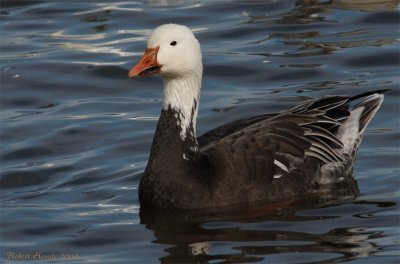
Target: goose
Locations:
point(266, 158)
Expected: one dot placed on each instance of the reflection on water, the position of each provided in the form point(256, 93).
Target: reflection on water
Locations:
point(275, 237)
point(75, 132)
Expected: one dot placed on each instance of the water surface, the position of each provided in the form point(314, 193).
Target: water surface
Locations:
point(76, 132)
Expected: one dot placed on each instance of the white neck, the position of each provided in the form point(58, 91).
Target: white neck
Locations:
point(182, 94)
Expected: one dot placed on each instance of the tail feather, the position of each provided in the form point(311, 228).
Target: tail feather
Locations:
point(352, 130)
point(372, 105)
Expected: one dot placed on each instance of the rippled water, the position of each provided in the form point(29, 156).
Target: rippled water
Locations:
point(76, 132)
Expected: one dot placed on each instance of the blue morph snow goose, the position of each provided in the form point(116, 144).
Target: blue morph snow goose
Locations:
point(268, 158)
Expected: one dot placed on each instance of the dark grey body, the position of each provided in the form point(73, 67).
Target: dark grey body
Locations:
point(268, 158)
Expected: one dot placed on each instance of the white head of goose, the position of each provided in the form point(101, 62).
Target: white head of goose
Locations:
point(266, 158)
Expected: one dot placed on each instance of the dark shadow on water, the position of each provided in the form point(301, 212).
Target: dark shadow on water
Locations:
point(13, 3)
point(260, 232)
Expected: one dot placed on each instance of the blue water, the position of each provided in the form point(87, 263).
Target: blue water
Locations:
point(76, 132)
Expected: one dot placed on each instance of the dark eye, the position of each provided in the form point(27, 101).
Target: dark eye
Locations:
point(173, 43)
